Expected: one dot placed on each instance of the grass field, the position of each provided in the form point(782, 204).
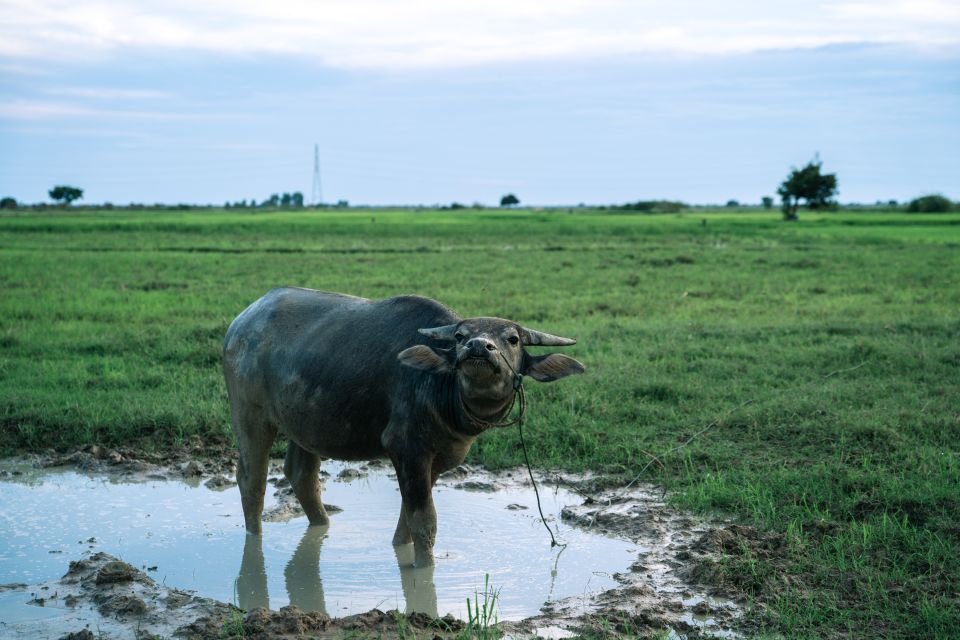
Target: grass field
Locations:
point(817, 363)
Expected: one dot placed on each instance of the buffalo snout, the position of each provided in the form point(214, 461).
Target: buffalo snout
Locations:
point(480, 346)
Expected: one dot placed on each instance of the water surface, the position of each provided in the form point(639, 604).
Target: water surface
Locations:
point(191, 537)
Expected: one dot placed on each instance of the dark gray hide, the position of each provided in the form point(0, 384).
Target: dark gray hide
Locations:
point(354, 379)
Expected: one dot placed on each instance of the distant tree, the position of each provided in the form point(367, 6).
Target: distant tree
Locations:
point(509, 200)
point(272, 201)
point(767, 202)
point(296, 200)
point(732, 203)
point(933, 203)
point(65, 194)
point(342, 204)
point(8, 203)
point(807, 184)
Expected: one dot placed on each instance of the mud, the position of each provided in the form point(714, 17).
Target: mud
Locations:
point(196, 461)
point(103, 597)
point(668, 589)
point(107, 597)
point(660, 591)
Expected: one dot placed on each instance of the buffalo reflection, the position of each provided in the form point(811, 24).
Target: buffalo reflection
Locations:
point(303, 582)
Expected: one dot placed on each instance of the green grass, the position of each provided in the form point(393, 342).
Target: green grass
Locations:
point(824, 356)
point(482, 614)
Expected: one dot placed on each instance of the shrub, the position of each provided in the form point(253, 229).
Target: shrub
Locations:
point(652, 206)
point(933, 203)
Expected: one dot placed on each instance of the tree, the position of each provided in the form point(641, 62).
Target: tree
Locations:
point(807, 184)
point(296, 200)
point(767, 202)
point(285, 200)
point(65, 194)
point(732, 204)
point(8, 203)
point(509, 200)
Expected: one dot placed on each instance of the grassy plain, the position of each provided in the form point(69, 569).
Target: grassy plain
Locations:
point(817, 363)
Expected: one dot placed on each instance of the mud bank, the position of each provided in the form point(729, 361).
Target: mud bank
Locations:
point(664, 589)
point(103, 597)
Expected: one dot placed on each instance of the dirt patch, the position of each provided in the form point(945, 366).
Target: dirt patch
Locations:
point(195, 461)
point(291, 622)
point(725, 558)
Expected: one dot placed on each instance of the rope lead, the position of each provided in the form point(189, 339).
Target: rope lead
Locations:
point(523, 445)
point(505, 421)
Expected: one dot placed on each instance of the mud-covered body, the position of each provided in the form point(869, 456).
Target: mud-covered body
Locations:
point(352, 379)
point(322, 368)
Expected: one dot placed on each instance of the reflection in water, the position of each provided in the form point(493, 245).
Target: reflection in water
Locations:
point(251, 584)
point(303, 582)
point(302, 573)
point(418, 588)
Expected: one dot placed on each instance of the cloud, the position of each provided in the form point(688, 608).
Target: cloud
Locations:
point(438, 33)
point(21, 109)
point(103, 93)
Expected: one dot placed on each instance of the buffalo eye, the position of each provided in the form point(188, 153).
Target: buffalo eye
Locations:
point(458, 336)
point(513, 339)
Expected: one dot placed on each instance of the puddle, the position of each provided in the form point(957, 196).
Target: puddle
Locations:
point(191, 537)
point(627, 564)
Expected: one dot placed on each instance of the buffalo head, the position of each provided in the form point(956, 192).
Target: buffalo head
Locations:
point(487, 353)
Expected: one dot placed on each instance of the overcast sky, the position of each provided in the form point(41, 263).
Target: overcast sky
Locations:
point(559, 101)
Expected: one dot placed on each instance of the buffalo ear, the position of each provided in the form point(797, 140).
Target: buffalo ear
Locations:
point(552, 366)
point(426, 359)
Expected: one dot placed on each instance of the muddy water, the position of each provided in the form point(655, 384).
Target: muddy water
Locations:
point(192, 537)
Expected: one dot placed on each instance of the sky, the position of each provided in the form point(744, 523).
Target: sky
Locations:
point(431, 102)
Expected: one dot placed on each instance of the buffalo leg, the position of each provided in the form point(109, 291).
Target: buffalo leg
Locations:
point(402, 533)
point(302, 469)
point(418, 511)
point(255, 446)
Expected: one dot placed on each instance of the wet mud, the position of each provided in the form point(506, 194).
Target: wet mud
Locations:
point(668, 588)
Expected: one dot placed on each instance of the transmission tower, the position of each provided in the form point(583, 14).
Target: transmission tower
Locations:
point(316, 195)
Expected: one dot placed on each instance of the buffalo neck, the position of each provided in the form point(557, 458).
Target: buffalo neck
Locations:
point(476, 414)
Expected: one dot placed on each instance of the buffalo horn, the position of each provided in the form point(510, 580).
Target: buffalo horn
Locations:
point(531, 336)
point(445, 332)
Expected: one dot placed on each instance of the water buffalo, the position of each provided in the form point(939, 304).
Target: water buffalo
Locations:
point(355, 379)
